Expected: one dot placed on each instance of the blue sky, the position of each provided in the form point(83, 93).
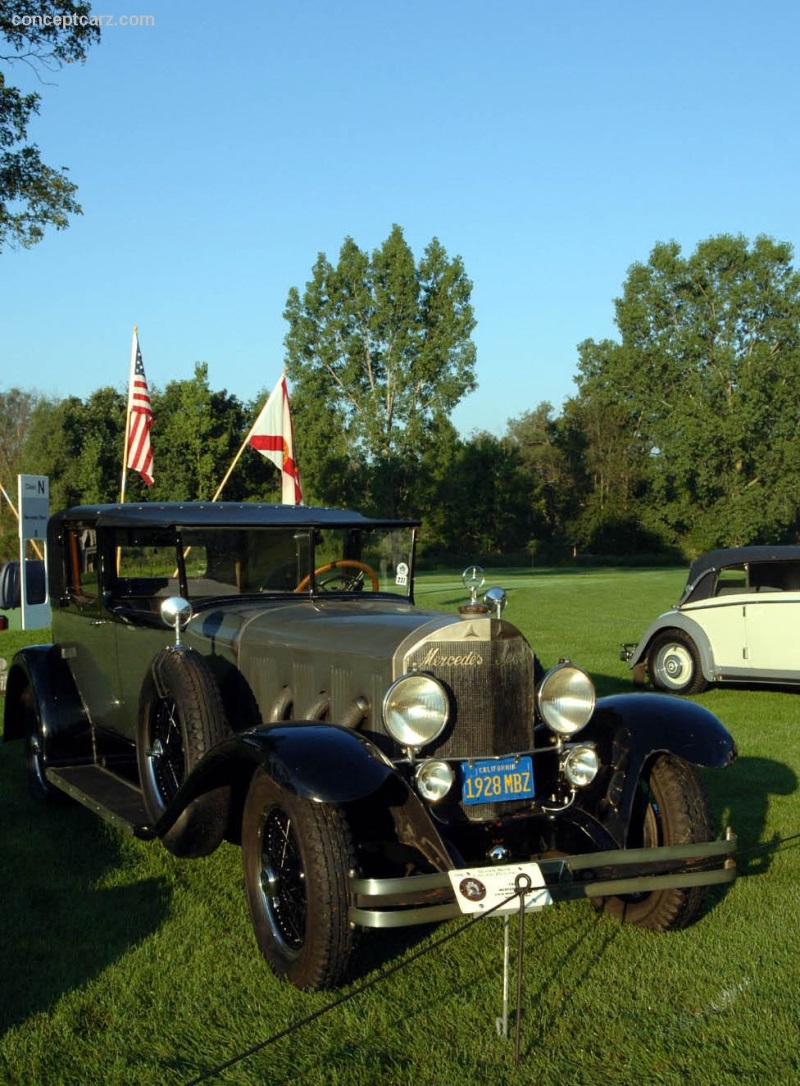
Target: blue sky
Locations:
point(549, 143)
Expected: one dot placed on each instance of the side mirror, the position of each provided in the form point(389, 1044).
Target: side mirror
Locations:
point(176, 612)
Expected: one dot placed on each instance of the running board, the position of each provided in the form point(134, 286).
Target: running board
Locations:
point(106, 794)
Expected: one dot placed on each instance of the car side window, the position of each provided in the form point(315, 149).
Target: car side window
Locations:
point(767, 577)
point(241, 562)
point(80, 554)
point(145, 570)
point(731, 581)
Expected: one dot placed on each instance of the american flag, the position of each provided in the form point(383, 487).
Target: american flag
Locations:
point(140, 418)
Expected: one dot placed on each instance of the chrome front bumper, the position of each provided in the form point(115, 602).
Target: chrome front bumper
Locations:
point(426, 899)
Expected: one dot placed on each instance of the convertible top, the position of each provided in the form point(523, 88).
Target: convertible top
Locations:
point(220, 515)
point(712, 561)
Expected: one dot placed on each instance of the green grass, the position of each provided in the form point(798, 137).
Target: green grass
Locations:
point(122, 965)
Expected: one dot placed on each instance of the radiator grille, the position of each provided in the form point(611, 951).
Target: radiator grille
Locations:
point(491, 683)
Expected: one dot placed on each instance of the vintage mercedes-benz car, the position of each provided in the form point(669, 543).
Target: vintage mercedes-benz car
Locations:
point(261, 674)
point(736, 621)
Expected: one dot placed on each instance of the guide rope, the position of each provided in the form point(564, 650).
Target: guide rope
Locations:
point(522, 888)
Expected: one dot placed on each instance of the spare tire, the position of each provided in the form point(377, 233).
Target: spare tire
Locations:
point(181, 717)
point(10, 587)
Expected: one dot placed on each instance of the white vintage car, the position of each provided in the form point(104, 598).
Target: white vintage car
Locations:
point(736, 621)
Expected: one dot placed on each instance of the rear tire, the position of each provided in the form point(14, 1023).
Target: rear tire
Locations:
point(674, 664)
point(38, 785)
point(671, 808)
point(297, 857)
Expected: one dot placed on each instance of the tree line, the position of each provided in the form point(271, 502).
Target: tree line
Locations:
point(680, 436)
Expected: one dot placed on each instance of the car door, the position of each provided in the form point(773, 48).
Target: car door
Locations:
point(724, 624)
point(722, 617)
point(772, 621)
point(84, 629)
point(144, 561)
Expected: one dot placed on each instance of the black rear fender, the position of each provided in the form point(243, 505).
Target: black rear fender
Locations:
point(57, 703)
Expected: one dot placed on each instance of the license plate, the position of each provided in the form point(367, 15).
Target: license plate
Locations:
point(497, 780)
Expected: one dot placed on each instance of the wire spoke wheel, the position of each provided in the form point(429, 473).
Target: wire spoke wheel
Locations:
point(181, 717)
point(283, 880)
point(38, 785)
point(297, 858)
point(166, 757)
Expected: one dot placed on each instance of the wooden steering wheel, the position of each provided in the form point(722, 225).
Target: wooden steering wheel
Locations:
point(349, 582)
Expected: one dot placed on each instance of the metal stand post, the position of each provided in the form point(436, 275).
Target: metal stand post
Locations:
point(502, 1022)
point(522, 885)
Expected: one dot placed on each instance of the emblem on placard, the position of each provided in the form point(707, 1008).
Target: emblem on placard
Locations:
point(472, 889)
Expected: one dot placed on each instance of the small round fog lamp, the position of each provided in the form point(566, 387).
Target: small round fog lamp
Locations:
point(434, 780)
point(580, 766)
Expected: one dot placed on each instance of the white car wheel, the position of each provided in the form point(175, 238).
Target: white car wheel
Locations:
point(674, 664)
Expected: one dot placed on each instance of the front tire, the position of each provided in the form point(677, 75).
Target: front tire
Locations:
point(671, 808)
point(297, 857)
point(674, 664)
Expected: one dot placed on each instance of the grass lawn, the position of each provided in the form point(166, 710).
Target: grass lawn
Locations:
point(123, 965)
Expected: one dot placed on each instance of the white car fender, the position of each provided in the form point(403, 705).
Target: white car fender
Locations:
point(676, 620)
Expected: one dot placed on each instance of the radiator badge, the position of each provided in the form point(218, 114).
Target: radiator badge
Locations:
point(434, 657)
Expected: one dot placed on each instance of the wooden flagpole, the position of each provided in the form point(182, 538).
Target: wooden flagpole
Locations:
point(236, 458)
point(244, 444)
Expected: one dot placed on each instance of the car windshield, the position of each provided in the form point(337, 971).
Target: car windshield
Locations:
point(232, 562)
point(363, 560)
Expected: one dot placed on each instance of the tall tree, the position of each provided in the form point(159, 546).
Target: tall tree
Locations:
point(196, 433)
point(551, 463)
point(487, 500)
point(43, 36)
point(703, 392)
point(78, 445)
point(379, 351)
point(16, 407)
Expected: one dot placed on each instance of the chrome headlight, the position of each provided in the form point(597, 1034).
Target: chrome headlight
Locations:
point(415, 710)
point(566, 699)
point(580, 765)
point(434, 780)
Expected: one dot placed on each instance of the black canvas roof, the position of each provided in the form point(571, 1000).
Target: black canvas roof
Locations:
point(737, 556)
point(698, 583)
point(221, 515)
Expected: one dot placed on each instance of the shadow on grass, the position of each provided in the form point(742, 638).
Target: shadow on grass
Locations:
point(59, 928)
point(744, 791)
point(580, 950)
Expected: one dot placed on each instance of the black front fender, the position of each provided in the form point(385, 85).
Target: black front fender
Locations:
point(629, 730)
point(642, 724)
point(326, 763)
point(322, 762)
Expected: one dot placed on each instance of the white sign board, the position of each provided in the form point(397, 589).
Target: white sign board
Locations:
point(34, 506)
point(34, 511)
point(479, 889)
